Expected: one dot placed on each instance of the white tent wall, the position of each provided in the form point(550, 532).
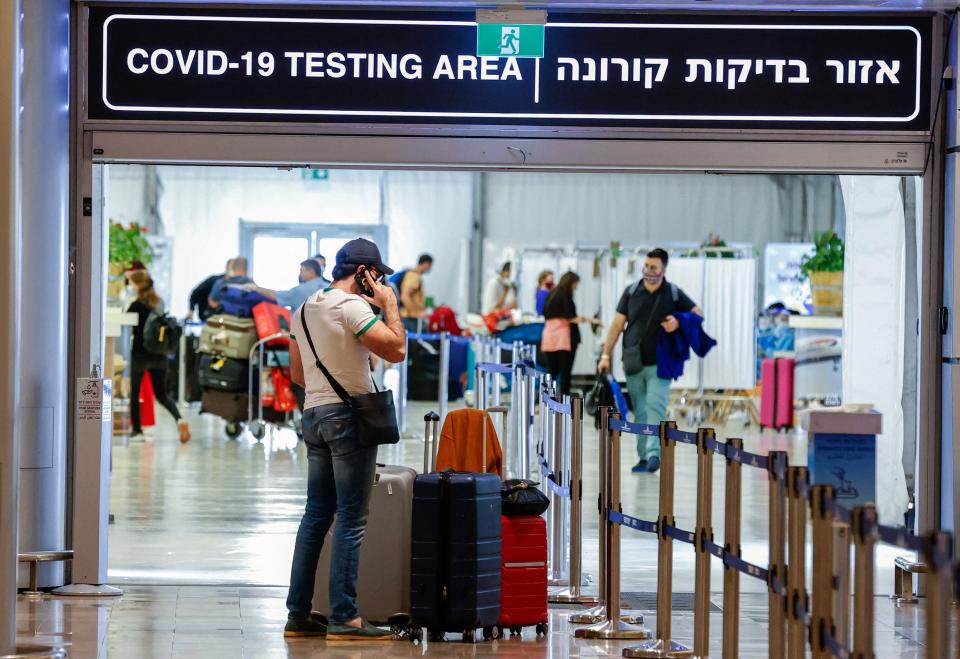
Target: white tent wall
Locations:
point(873, 322)
point(200, 208)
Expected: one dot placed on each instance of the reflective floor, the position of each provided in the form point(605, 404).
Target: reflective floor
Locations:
point(204, 532)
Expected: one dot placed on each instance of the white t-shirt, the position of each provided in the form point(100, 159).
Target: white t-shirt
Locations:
point(497, 286)
point(336, 320)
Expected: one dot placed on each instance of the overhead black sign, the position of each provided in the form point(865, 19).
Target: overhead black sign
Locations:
point(813, 73)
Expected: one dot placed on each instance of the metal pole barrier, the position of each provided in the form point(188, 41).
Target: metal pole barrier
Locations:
point(443, 386)
point(865, 536)
point(613, 627)
point(181, 368)
point(573, 595)
point(402, 392)
point(821, 619)
point(731, 545)
point(776, 470)
point(495, 377)
point(518, 407)
point(939, 594)
point(531, 398)
point(663, 645)
point(704, 533)
point(558, 574)
point(797, 601)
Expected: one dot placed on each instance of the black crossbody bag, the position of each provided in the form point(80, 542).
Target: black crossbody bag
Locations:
point(374, 415)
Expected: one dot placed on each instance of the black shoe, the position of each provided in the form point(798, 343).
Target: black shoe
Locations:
point(639, 467)
point(314, 625)
point(366, 632)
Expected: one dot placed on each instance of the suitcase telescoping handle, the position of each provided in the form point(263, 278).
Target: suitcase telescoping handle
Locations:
point(431, 424)
point(490, 411)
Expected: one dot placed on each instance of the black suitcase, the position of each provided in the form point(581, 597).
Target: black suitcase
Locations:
point(423, 373)
point(224, 373)
point(455, 553)
point(192, 390)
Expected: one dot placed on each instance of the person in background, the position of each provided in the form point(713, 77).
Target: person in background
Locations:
point(322, 262)
point(236, 274)
point(344, 332)
point(143, 361)
point(311, 280)
point(413, 299)
point(200, 295)
point(544, 286)
point(500, 292)
point(561, 333)
point(644, 308)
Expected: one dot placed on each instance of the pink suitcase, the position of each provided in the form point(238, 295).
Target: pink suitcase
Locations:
point(776, 393)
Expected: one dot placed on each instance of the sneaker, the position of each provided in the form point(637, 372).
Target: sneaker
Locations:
point(653, 464)
point(639, 467)
point(314, 625)
point(367, 632)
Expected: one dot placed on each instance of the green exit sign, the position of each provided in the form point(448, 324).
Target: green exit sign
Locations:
point(509, 40)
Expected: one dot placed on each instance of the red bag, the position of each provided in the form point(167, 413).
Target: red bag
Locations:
point(443, 319)
point(283, 397)
point(776, 393)
point(498, 320)
point(272, 319)
point(523, 588)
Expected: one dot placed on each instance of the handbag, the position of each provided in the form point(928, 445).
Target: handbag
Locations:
point(374, 414)
point(521, 497)
point(556, 336)
point(632, 360)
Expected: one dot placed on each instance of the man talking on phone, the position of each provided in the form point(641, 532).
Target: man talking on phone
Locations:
point(345, 332)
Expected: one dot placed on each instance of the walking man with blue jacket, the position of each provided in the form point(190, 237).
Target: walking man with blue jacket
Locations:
point(645, 308)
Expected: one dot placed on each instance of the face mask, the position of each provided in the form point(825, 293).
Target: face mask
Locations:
point(548, 285)
point(652, 278)
point(300, 279)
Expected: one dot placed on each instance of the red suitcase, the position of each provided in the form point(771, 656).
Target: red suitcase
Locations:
point(523, 586)
point(272, 319)
point(776, 393)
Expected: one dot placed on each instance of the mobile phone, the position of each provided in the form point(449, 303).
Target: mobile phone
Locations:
point(361, 279)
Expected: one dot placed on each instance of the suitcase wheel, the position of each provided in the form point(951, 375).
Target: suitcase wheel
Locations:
point(492, 633)
point(258, 429)
point(233, 429)
point(470, 636)
point(542, 629)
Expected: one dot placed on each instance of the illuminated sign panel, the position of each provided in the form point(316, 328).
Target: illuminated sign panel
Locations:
point(847, 72)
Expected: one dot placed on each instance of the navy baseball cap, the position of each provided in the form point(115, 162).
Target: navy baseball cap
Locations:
point(361, 251)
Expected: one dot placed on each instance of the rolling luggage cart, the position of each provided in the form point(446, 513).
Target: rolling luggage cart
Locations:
point(257, 425)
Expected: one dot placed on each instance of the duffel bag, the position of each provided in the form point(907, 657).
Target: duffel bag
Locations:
point(229, 336)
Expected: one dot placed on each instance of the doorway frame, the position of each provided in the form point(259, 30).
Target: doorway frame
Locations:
point(486, 148)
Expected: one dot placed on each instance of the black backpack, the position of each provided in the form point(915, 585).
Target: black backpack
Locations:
point(161, 334)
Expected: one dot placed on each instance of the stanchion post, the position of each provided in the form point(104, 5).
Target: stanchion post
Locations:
point(573, 593)
point(495, 377)
point(443, 381)
point(558, 563)
point(776, 471)
point(402, 391)
point(528, 420)
point(731, 545)
point(841, 572)
point(518, 415)
point(821, 614)
point(613, 627)
point(939, 593)
point(864, 542)
point(704, 534)
point(663, 645)
point(796, 576)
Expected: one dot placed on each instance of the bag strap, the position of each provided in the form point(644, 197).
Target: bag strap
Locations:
point(337, 387)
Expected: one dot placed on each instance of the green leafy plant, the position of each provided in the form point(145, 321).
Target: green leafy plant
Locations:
point(827, 254)
point(129, 244)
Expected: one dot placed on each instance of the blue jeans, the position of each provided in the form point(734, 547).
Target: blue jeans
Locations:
point(340, 480)
point(649, 396)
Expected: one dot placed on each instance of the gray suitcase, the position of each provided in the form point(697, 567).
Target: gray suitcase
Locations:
point(383, 586)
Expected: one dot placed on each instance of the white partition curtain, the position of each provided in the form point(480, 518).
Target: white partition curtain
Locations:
point(873, 326)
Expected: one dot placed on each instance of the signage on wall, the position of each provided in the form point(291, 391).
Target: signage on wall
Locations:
point(848, 72)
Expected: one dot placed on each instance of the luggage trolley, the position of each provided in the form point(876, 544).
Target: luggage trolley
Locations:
point(257, 425)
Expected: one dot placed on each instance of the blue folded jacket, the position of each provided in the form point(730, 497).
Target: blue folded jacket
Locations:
point(673, 348)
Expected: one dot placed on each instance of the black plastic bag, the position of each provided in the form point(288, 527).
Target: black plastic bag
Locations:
point(521, 497)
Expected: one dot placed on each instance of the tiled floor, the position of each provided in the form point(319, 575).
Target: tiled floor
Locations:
point(204, 533)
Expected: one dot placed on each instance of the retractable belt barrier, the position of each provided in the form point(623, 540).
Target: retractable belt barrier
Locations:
point(823, 617)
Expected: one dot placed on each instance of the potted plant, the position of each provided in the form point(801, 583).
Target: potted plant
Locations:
point(824, 268)
point(128, 245)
